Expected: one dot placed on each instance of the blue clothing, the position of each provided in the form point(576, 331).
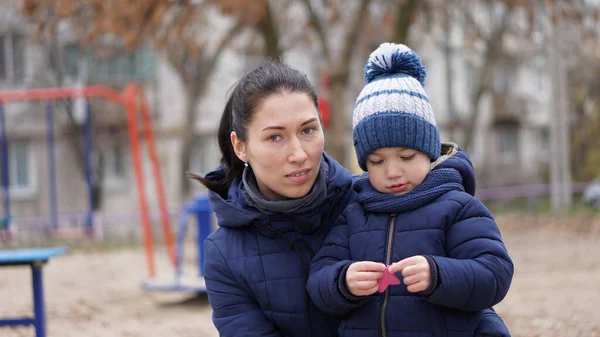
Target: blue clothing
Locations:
point(470, 266)
point(256, 265)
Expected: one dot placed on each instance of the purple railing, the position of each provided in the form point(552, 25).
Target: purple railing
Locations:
point(522, 191)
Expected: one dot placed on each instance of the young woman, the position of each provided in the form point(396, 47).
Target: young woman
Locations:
point(275, 194)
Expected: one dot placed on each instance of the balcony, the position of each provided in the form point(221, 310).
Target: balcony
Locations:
point(508, 109)
point(110, 66)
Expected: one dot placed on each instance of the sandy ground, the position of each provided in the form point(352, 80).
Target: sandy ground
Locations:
point(555, 292)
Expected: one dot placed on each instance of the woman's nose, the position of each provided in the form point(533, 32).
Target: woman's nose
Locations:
point(297, 154)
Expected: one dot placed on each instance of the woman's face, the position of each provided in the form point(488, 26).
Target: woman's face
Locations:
point(284, 145)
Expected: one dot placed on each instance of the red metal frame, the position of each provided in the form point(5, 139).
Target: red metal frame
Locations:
point(133, 100)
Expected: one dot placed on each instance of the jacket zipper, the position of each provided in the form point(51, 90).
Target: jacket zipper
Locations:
point(388, 258)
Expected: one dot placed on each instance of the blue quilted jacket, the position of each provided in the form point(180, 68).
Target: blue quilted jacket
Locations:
point(471, 268)
point(256, 265)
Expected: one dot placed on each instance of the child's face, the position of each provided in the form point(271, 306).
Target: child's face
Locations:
point(396, 170)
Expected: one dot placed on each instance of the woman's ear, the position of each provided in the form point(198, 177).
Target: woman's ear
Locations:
point(238, 146)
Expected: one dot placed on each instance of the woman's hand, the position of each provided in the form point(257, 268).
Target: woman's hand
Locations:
point(362, 277)
point(416, 272)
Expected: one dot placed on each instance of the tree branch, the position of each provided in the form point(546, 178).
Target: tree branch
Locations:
point(143, 24)
point(493, 47)
point(270, 34)
point(352, 37)
point(404, 21)
point(318, 26)
point(175, 60)
point(174, 53)
point(204, 68)
point(471, 21)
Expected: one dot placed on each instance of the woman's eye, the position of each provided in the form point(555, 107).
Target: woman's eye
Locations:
point(308, 131)
point(274, 138)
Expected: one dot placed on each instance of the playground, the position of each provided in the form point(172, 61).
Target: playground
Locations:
point(96, 292)
point(153, 289)
point(82, 221)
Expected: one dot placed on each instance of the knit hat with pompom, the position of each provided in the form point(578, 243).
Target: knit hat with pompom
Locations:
point(393, 110)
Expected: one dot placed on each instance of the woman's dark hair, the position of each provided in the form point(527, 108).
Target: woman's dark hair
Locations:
point(271, 78)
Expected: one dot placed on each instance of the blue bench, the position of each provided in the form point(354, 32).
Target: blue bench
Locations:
point(35, 258)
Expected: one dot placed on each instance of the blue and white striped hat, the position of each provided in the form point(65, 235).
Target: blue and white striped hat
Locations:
point(393, 110)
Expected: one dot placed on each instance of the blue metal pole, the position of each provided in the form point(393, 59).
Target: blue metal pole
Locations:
point(204, 217)
point(51, 166)
point(38, 300)
point(4, 166)
point(87, 134)
point(17, 322)
point(179, 244)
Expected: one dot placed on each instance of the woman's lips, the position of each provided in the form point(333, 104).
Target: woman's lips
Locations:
point(299, 176)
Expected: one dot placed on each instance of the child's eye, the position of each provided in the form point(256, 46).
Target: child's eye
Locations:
point(308, 131)
point(375, 162)
point(274, 138)
point(408, 157)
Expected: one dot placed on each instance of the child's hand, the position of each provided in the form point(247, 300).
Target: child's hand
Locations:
point(416, 272)
point(362, 276)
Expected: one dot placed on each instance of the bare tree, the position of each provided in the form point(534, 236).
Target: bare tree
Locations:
point(570, 30)
point(563, 26)
point(324, 17)
point(182, 31)
point(485, 25)
point(338, 27)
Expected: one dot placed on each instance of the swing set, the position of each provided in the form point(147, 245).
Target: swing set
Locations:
point(134, 103)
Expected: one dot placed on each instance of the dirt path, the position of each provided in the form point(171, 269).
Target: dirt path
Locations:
point(555, 292)
point(556, 288)
point(99, 294)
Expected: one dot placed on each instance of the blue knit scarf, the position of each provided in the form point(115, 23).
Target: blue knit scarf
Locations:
point(436, 183)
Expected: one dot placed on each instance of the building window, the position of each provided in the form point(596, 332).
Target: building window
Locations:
point(544, 140)
point(504, 79)
point(116, 164)
point(20, 172)
point(542, 79)
point(12, 56)
point(19, 165)
point(470, 79)
point(541, 72)
point(508, 141)
point(205, 156)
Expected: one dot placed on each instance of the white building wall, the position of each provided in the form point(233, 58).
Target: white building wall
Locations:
point(168, 99)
